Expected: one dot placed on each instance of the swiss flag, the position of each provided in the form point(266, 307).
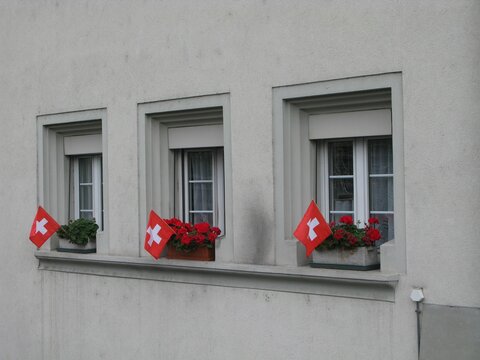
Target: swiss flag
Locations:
point(157, 236)
point(43, 227)
point(312, 229)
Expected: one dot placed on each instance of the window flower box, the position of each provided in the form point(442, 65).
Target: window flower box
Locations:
point(361, 258)
point(78, 236)
point(192, 242)
point(349, 247)
point(66, 246)
point(200, 254)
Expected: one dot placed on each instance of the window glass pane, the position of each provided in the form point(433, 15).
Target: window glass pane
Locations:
point(340, 158)
point(201, 196)
point(341, 194)
point(86, 197)
point(86, 214)
point(380, 157)
point(385, 226)
point(381, 194)
point(199, 218)
point(85, 169)
point(101, 182)
point(200, 165)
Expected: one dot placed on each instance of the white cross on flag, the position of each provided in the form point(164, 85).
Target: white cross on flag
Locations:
point(43, 227)
point(312, 229)
point(157, 236)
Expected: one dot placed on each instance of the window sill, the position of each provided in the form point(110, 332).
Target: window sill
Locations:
point(371, 285)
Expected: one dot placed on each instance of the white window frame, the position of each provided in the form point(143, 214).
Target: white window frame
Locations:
point(361, 178)
point(169, 125)
point(61, 137)
point(295, 154)
point(97, 184)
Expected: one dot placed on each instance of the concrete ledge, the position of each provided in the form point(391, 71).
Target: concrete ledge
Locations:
point(371, 285)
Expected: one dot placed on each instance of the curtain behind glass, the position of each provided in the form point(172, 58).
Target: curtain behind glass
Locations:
point(200, 186)
point(380, 164)
point(340, 174)
point(85, 174)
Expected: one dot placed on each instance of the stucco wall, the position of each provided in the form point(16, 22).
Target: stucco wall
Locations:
point(75, 55)
point(122, 318)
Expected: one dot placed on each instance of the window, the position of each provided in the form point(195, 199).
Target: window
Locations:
point(202, 194)
point(340, 142)
point(71, 149)
point(356, 179)
point(87, 184)
point(198, 160)
point(185, 163)
point(85, 197)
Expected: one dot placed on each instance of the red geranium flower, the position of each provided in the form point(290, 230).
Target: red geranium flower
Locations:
point(200, 238)
point(212, 236)
point(351, 239)
point(186, 240)
point(174, 222)
point(202, 227)
point(373, 234)
point(347, 220)
point(367, 241)
point(338, 234)
point(189, 237)
point(373, 220)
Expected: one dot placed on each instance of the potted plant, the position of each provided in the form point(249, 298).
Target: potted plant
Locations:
point(349, 246)
point(192, 242)
point(78, 236)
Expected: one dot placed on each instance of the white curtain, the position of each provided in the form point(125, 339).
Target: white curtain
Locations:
point(200, 186)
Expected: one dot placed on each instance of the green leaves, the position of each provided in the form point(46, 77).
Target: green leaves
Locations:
point(79, 231)
point(348, 235)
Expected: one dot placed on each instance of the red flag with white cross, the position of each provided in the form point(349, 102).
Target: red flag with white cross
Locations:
point(312, 229)
point(43, 227)
point(157, 236)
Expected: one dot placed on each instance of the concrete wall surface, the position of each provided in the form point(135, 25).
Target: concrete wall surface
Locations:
point(62, 56)
point(449, 332)
point(122, 318)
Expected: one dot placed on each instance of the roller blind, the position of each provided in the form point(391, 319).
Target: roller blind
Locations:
point(83, 144)
point(188, 137)
point(350, 124)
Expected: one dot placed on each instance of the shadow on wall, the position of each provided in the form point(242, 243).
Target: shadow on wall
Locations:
point(259, 235)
